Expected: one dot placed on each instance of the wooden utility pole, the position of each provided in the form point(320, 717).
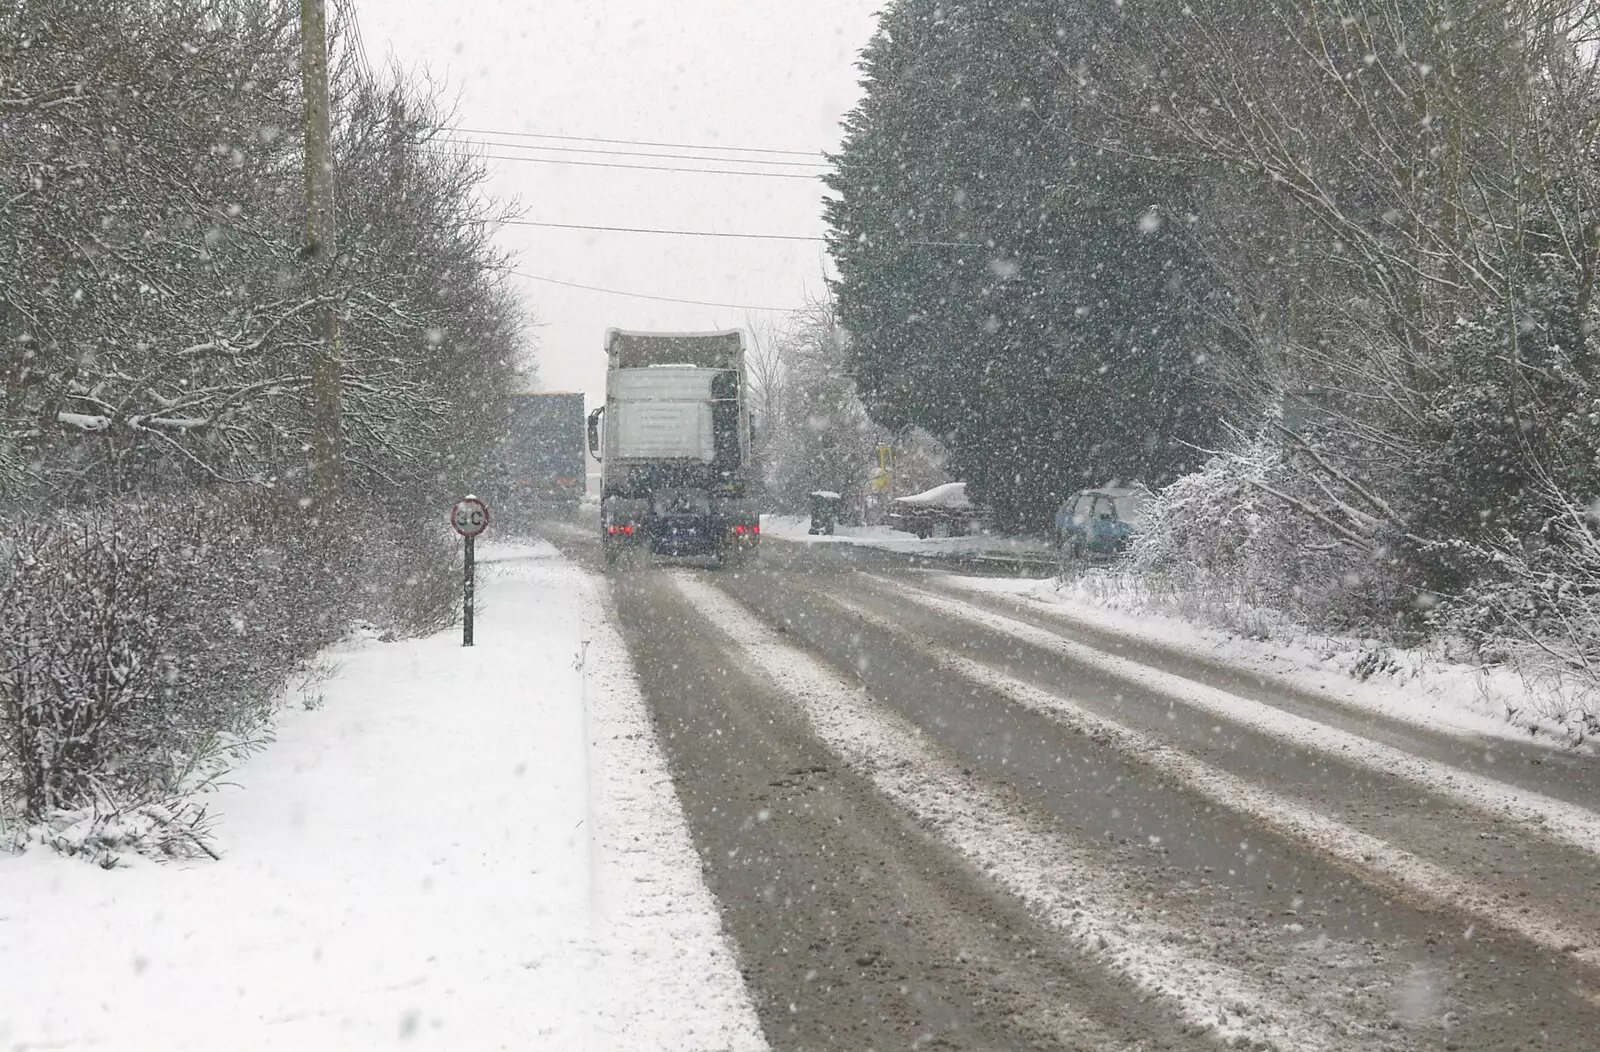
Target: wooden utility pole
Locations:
point(327, 424)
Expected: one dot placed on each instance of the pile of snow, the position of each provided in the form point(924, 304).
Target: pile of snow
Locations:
point(445, 848)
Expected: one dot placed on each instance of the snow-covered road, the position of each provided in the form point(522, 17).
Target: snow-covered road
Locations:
point(935, 813)
point(444, 848)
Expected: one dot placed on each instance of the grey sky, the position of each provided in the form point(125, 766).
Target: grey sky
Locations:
point(714, 72)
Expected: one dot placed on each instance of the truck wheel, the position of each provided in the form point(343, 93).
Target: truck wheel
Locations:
point(610, 553)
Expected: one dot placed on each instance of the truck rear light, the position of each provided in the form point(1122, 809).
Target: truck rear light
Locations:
point(626, 528)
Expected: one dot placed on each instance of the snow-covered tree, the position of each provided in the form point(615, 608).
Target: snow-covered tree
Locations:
point(819, 436)
point(154, 320)
point(1011, 289)
point(155, 336)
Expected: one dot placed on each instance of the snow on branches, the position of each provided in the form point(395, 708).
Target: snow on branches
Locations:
point(155, 319)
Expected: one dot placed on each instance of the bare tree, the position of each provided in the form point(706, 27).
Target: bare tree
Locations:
point(1420, 220)
point(155, 320)
point(822, 438)
point(765, 373)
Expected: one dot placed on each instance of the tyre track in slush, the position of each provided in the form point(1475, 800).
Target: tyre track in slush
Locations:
point(1560, 820)
point(1346, 944)
point(1513, 861)
point(854, 928)
point(1356, 850)
point(1018, 850)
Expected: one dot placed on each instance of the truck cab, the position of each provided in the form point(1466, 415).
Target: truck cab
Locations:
point(673, 440)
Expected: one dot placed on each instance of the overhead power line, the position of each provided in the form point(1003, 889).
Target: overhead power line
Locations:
point(345, 11)
point(637, 142)
point(714, 233)
point(648, 296)
point(633, 167)
point(635, 153)
point(654, 230)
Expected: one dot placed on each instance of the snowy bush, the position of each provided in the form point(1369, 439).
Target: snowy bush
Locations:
point(1252, 540)
point(1536, 605)
point(142, 647)
point(1242, 536)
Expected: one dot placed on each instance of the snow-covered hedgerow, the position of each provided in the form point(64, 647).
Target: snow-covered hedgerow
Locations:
point(1536, 606)
point(142, 646)
point(1244, 544)
point(1229, 536)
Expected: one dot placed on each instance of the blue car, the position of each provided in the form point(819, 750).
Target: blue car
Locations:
point(1099, 523)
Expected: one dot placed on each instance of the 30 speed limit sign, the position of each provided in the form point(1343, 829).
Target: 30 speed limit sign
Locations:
point(470, 516)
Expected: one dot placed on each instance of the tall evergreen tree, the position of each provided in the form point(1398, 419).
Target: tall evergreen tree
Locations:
point(1018, 294)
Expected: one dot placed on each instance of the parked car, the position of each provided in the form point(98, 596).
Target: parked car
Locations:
point(1099, 523)
point(943, 511)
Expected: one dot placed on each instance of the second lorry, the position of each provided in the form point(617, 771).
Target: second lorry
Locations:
point(539, 466)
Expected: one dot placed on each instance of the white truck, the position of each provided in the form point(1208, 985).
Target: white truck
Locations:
point(673, 440)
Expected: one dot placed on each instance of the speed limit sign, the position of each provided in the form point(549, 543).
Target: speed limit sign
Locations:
point(470, 516)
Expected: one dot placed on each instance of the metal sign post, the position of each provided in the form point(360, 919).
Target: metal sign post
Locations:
point(886, 462)
point(470, 517)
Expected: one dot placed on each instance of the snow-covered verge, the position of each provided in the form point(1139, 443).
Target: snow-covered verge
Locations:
point(1286, 536)
point(793, 528)
point(444, 848)
point(1426, 686)
point(142, 643)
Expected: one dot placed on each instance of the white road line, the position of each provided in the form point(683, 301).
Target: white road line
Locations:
point(1553, 818)
point(1071, 889)
point(1349, 845)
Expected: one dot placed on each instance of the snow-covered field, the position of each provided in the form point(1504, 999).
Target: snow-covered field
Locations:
point(1415, 686)
point(793, 528)
point(444, 848)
